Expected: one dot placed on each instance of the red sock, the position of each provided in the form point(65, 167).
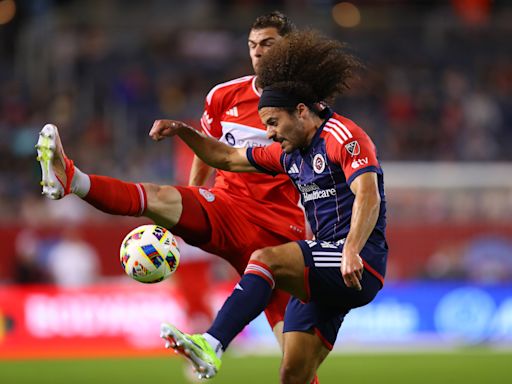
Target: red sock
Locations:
point(276, 307)
point(116, 197)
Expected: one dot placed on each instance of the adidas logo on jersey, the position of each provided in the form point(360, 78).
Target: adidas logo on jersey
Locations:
point(233, 112)
point(293, 169)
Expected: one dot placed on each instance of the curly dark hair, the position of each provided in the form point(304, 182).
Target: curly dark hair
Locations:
point(308, 65)
point(276, 20)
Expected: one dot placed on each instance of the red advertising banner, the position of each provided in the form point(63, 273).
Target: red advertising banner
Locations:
point(115, 320)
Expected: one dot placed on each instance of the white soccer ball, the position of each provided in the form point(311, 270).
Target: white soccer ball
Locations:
point(149, 254)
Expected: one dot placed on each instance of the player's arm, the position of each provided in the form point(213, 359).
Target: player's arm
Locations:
point(211, 151)
point(365, 213)
point(200, 172)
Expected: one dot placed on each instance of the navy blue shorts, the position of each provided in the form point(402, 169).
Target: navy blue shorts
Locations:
point(329, 298)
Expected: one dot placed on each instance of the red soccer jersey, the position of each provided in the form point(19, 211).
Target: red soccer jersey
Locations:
point(231, 116)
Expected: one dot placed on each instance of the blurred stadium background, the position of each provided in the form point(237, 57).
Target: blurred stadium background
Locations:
point(436, 98)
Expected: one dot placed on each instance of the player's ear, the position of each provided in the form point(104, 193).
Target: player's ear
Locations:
point(301, 109)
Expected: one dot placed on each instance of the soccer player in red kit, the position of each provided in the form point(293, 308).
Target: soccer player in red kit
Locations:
point(334, 165)
point(240, 214)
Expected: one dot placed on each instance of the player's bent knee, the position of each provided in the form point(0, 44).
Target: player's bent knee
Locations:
point(163, 204)
point(162, 195)
point(294, 373)
point(264, 256)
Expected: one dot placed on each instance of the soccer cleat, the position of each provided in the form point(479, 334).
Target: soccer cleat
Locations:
point(193, 347)
point(57, 170)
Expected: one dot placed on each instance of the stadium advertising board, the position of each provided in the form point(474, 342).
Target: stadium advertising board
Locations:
point(120, 320)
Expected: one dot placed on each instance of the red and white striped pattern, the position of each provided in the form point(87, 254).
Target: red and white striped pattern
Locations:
point(338, 130)
point(261, 269)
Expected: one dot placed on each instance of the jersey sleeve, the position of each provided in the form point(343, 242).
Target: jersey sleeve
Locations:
point(356, 156)
point(210, 121)
point(267, 159)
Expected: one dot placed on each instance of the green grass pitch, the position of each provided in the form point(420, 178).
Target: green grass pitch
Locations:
point(464, 367)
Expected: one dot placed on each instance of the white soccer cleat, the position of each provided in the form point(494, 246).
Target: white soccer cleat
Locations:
point(193, 347)
point(57, 170)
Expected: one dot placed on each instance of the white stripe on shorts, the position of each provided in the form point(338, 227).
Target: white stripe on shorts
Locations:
point(327, 265)
point(327, 259)
point(324, 253)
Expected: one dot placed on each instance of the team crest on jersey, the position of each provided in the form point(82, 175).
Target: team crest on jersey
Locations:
point(208, 196)
point(353, 148)
point(318, 163)
point(230, 138)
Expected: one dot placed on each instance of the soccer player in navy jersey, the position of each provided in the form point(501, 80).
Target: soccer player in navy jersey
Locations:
point(333, 163)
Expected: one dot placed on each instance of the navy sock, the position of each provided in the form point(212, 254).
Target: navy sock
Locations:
point(249, 298)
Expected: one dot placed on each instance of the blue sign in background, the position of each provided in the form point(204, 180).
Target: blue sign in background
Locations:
point(432, 314)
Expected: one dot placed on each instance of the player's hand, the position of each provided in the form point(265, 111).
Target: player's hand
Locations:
point(352, 270)
point(166, 128)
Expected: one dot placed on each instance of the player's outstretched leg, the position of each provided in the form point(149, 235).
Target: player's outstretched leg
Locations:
point(193, 347)
point(61, 177)
point(57, 169)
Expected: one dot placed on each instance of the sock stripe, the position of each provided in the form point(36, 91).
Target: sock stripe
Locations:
point(263, 276)
point(142, 196)
point(262, 270)
point(261, 264)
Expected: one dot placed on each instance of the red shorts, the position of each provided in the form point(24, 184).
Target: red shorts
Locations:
point(233, 234)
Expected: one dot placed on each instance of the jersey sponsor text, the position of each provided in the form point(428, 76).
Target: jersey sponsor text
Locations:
point(319, 194)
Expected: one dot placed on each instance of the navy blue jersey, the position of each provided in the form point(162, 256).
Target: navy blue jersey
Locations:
point(339, 152)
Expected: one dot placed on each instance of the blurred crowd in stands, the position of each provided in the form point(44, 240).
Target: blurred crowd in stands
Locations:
point(437, 84)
